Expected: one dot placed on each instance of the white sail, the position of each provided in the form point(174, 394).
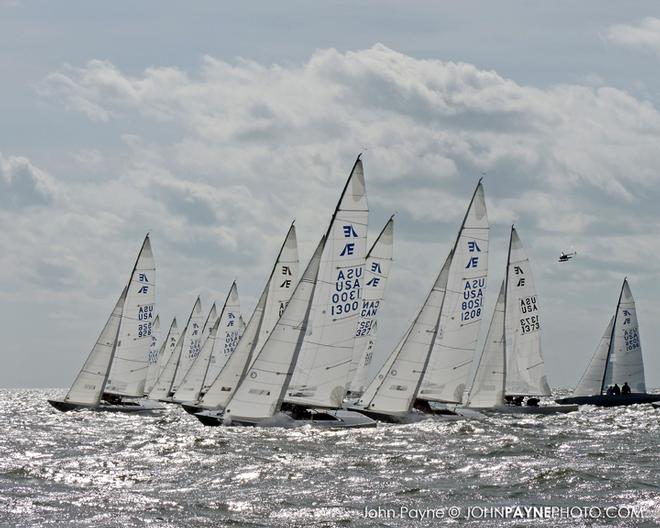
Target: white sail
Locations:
point(194, 338)
point(625, 359)
point(261, 391)
point(167, 348)
point(591, 383)
point(229, 335)
point(395, 393)
point(376, 273)
point(488, 386)
point(163, 386)
point(460, 320)
point(163, 353)
point(128, 373)
point(90, 382)
point(322, 369)
point(525, 370)
point(191, 385)
point(192, 382)
point(271, 305)
point(154, 349)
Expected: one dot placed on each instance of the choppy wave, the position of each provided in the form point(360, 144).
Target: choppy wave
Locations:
point(112, 470)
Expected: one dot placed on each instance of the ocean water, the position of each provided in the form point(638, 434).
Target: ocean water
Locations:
point(86, 469)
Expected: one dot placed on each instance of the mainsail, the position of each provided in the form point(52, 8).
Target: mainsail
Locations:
point(128, 372)
point(460, 319)
point(229, 335)
point(193, 381)
point(90, 382)
point(593, 378)
point(321, 372)
point(194, 338)
point(376, 273)
point(525, 369)
point(487, 388)
point(163, 386)
point(152, 362)
point(395, 392)
point(260, 393)
point(162, 356)
point(271, 304)
point(625, 363)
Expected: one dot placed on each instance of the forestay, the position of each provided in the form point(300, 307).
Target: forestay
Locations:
point(322, 370)
point(128, 372)
point(90, 382)
point(395, 392)
point(525, 369)
point(460, 320)
point(272, 302)
point(260, 393)
point(376, 273)
point(488, 386)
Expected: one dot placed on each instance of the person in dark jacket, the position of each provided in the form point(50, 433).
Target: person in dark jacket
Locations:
point(616, 390)
point(610, 391)
point(626, 388)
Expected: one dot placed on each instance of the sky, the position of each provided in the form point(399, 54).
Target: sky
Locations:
point(213, 125)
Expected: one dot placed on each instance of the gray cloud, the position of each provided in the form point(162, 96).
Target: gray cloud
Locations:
point(644, 36)
point(256, 145)
point(22, 184)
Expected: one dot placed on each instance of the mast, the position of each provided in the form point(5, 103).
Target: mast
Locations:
point(506, 295)
point(609, 350)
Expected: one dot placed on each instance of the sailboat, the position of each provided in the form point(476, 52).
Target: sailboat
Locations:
point(114, 375)
point(300, 374)
point(511, 365)
point(376, 274)
point(214, 351)
point(271, 304)
point(444, 332)
point(617, 359)
point(188, 343)
point(163, 352)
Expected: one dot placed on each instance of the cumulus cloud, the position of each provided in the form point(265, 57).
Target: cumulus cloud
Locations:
point(22, 184)
point(251, 146)
point(643, 36)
